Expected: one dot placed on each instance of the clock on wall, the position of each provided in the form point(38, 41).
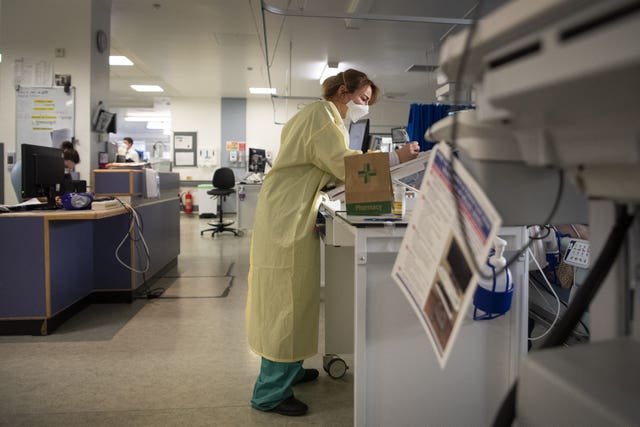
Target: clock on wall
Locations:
point(102, 41)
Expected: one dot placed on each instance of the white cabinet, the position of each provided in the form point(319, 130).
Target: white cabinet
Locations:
point(396, 373)
point(207, 205)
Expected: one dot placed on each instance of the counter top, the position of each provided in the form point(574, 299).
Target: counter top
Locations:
point(62, 214)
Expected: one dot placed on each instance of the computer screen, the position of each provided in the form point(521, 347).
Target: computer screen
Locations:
point(257, 160)
point(105, 122)
point(399, 135)
point(42, 172)
point(359, 135)
point(112, 152)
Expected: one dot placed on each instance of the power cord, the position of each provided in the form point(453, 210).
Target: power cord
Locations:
point(577, 308)
point(506, 413)
point(456, 185)
point(537, 285)
point(555, 319)
point(136, 225)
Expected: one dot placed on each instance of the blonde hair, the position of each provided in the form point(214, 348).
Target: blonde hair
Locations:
point(353, 80)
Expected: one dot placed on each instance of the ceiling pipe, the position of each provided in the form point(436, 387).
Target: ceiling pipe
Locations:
point(366, 16)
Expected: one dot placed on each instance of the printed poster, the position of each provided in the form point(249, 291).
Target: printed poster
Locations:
point(434, 267)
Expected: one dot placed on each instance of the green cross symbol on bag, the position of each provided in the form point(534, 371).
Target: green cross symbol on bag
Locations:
point(366, 172)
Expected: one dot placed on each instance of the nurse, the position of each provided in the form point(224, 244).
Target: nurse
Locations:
point(282, 313)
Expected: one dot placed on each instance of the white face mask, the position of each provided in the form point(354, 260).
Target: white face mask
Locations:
point(356, 111)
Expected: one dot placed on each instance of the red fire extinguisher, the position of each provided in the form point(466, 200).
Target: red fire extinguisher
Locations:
point(188, 203)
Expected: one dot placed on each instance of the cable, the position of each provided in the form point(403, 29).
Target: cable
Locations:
point(594, 279)
point(537, 286)
point(507, 412)
point(135, 224)
point(546, 227)
point(555, 319)
point(452, 159)
point(576, 231)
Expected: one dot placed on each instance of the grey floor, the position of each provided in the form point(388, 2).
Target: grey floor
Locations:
point(179, 360)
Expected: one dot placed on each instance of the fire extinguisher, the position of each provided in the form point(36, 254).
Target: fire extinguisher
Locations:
point(188, 203)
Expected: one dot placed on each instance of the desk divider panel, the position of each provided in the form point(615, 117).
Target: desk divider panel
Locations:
point(71, 262)
point(107, 182)
point(109, 274)
point(22, 280)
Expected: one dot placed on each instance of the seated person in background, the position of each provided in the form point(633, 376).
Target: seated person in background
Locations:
point(131, 155)
point(71, 159)
point(66, 145)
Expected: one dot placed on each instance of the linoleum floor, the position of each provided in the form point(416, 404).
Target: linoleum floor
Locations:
point(179, 360)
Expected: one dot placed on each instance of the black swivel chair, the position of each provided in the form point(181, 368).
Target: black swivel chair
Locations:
point(223, 182)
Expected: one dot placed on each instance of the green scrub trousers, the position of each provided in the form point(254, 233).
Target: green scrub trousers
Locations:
point(274, 383)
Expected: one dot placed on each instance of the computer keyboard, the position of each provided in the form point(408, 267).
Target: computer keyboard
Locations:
point(32, 207)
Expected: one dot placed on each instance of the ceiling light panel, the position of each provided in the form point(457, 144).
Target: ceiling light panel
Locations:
point(120, 61)
point(147, 88)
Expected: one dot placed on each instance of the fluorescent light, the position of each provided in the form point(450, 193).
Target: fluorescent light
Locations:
point(159, 115)
point(120, 60)
point(147, 88)
point(157, 125)
point(141, 119)
point(152, 119)
point(0, 57)
point(262, 90)
point(148, 116)
point(331, 69)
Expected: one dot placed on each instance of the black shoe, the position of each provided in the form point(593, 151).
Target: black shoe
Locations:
point(291, 407)
point(309, 375)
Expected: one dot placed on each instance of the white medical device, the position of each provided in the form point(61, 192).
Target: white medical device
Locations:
point(557, 84)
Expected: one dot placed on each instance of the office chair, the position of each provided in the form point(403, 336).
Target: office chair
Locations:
point(223, 182)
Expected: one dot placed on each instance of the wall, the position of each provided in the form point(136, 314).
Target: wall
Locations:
point(26, 31)
point(201, 115)
point(262, 132)
point(385, 115)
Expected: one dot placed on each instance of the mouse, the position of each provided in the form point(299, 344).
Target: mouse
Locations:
point(4, 209)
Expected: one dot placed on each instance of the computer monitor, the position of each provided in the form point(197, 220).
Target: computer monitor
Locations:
point(359, 135)
point(257, 160)
point(105, 122)
point(112, 152)
point(42, 172)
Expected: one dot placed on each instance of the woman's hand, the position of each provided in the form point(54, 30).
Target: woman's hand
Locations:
point(408, 151)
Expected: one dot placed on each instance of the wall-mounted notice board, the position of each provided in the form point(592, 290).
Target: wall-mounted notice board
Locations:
point(185, 147)
point(44, 116)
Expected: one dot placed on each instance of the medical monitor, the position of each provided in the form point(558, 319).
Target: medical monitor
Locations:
point(257, 160)
point(359, 135)
point(42, 172)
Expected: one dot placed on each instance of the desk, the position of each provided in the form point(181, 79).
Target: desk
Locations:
point(396, 373)
point(57, 262)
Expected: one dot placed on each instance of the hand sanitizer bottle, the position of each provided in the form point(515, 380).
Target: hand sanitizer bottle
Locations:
point(493, 296)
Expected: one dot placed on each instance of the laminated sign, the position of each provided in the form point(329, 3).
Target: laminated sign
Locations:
point(368, 184)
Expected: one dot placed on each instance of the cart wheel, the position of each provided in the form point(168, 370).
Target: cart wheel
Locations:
point(335, 366)
point(240, 233)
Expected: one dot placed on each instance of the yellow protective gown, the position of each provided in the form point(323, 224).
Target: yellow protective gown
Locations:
point(282, 312)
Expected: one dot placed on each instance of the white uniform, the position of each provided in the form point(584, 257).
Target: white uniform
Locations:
point(132, 155)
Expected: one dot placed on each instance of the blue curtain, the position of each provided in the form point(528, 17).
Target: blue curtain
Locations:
point(421, 117)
